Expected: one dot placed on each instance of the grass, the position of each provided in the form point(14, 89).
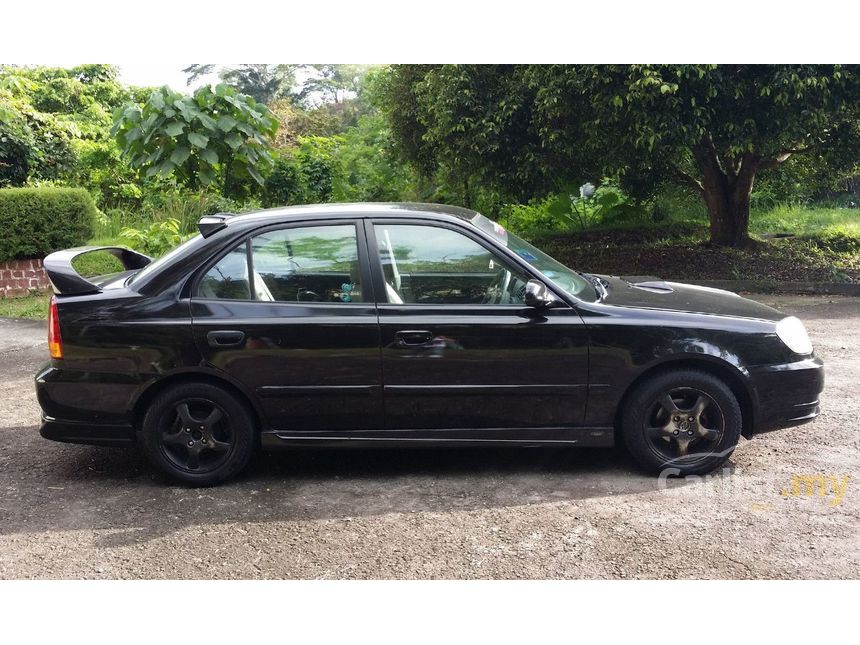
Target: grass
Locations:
point(34, 307)
point(681, 252)
point(806, 221)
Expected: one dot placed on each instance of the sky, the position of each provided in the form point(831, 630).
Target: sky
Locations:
point(158, 74)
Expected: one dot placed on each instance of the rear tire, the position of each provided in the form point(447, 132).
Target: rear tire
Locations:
point(198, 433)
point(683, 422)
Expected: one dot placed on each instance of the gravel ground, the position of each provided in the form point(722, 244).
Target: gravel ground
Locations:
point(84, 512)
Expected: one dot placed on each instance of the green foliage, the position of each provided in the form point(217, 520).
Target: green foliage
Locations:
point(171, 202)
point(38, 221)
point(264, 83)
point(526, 130)
point(33, 144)
point(154, 240)
point(34, 307)
point(607, 207)
point(96, 263)
point(304, 175)
point(368, 169)
point(218, 137)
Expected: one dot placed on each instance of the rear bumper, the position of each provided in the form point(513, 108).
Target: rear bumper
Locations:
point(788, 394)
point(81, 407)
point(96, 435)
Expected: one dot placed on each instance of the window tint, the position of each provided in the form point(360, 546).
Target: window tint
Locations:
point(228, 278)
point(308, 264)
point(432, 265)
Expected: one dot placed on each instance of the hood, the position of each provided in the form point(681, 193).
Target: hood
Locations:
point(653, 293)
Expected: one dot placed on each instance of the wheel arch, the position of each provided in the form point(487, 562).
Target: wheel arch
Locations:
point(145, 397)
point(726, 372)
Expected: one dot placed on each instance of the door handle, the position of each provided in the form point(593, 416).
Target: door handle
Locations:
point(410, 337)
point(225, 338)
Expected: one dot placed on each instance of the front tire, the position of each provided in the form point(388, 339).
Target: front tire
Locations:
point(685, 422)
point(198, 433)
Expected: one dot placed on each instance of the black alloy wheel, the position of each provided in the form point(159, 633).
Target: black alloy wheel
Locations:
point(683, 422)
point(198, 433)
point(199, 438)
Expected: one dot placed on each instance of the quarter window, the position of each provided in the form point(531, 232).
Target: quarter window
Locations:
point(304, 264)
point(228, 279)
point(433, 265)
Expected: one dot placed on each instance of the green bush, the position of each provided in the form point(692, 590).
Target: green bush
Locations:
point(304, 175)
point(38, 221)
point(155, 240)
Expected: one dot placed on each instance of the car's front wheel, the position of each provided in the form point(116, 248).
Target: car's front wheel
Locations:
point(198, 433)
point(684, 422)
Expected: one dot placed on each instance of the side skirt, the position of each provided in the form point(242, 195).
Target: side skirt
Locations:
point(584, 437)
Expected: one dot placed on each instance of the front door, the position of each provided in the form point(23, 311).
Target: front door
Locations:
point(460, 349)
point(288, 314)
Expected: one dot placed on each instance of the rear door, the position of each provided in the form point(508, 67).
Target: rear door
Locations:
point(461, 351)
point(289, 314)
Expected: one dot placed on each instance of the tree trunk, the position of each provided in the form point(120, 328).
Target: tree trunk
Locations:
point(727, 192)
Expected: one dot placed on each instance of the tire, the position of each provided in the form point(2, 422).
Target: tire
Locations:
point(217, 426)
point(692, 432)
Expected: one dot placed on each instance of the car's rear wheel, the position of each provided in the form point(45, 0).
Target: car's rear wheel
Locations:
point(198, 433)
point(685, 422)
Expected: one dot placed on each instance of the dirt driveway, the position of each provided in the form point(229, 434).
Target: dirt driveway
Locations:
point(84, 512)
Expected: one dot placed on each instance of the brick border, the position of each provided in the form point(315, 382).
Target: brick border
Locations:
point(22, 277)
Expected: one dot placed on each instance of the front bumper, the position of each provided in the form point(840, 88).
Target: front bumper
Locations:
point(787, 394)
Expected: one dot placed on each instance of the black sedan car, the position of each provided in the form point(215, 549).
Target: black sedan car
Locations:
point(405, 324)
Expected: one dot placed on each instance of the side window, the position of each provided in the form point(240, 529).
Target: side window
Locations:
point(307, 264)
point(433, 265)
point(228, 278)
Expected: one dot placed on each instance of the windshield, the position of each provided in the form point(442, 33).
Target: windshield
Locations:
point(568, 279)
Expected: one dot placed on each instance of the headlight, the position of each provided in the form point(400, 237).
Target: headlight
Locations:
point(792, 332)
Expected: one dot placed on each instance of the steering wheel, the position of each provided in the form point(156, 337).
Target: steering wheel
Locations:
point(497, 293)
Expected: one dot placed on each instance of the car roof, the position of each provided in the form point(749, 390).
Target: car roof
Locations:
point(359, 209)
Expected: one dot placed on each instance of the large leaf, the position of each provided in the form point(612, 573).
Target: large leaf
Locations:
point(156, 100)
point(207, 121)
point(233, 140)
point(256, 175)
point(227, 123)
point(132, 135)
point(180, 154)
point(165, 168)
point(174, 129)
point(209, 155)
point(207, 175)
point(198, 140)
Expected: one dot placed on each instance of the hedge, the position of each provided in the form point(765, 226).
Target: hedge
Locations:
point(38, 221)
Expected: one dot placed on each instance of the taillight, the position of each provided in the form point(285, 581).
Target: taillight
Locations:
point(55, 341)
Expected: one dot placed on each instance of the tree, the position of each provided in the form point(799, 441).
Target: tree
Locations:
point(471, 127)
point(330, 83)
point(265, 83)
point(713, 128)
point(33, 144)
point(216, 137)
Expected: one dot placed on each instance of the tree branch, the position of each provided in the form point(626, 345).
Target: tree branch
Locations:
point(690, 181)
point(773, 161)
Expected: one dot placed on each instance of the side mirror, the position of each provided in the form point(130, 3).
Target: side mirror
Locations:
point(538, 296)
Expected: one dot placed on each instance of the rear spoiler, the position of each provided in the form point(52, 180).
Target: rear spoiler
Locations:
point(211, 224)
point(67, 281)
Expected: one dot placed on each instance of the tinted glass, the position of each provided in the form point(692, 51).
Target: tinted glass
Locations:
point(566, 278)
point(432, 265)
point(307, 264)
point(228, 278)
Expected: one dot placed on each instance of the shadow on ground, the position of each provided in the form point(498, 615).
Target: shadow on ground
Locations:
point(56, 487)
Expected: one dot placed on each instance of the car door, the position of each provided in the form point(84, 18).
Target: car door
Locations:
point(461, 352)
point(289, 314)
